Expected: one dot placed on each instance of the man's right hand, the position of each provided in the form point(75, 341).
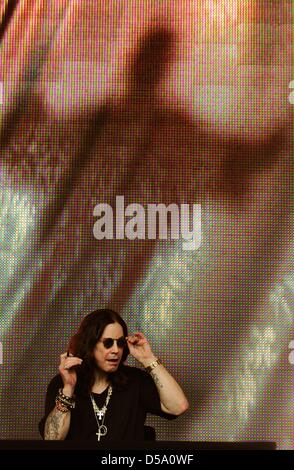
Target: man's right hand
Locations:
point(68, 373)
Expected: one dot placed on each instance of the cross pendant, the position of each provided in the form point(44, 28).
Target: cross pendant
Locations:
point(98, 435)
point(100, 414)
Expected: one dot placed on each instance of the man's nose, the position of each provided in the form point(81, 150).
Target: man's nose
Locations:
point(114, 347)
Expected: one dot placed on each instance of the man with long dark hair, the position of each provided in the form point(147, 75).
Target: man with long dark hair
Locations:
point(96, 396)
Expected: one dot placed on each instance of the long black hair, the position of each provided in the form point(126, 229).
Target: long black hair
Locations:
point(82, 345)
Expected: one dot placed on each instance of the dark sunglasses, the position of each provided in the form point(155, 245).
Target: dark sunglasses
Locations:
point(108, 342)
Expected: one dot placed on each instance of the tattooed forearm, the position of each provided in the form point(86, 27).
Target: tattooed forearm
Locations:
point(57, 425)
point(172, 397)
point(156, 379)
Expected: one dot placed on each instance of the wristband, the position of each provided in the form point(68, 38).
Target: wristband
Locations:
point(152, 365)
point(68, 402)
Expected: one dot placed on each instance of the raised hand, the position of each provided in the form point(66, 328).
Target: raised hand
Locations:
point(140, 348)
point(67, 370)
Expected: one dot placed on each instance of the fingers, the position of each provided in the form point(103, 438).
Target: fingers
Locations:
point(136, 338)
point(66, 362)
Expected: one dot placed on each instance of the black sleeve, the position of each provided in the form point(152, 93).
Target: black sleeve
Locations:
point(150, 397)
point(52, 390)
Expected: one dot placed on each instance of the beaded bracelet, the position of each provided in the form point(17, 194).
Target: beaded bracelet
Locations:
point(60, 406)
point(65, 397)
point(68, 402)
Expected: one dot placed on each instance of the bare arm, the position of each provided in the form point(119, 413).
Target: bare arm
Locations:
point(172, 397)
point(57, 425)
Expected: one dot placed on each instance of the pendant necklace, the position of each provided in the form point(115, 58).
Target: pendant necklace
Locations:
point(100, 414)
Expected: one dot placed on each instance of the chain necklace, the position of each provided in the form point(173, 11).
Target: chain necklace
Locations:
point(100, 414)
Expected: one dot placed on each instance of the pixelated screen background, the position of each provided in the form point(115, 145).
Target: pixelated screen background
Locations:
point(182, 102)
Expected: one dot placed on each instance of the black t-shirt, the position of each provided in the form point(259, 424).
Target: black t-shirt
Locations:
point(126, 411)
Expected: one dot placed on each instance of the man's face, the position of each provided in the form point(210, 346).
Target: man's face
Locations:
point(108, 359)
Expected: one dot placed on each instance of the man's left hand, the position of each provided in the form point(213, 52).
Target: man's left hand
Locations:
point(140, 349)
